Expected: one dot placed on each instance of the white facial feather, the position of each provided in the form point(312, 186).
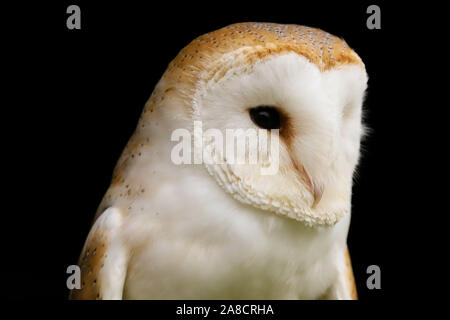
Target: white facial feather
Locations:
point(325, 112)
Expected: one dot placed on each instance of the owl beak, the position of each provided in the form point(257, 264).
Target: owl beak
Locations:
point(315, 188)
point(317, 191)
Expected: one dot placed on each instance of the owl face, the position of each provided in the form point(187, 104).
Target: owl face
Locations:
point(318, 115)
point(302, 82)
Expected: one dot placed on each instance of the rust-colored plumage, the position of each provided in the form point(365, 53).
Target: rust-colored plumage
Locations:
point(350, 278)
point(257, 41)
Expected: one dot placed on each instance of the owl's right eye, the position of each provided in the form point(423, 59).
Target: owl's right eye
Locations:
point(266, 117)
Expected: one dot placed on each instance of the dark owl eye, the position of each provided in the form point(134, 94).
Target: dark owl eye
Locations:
point(265, 117)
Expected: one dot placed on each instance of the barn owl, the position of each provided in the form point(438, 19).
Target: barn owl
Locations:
point(224, 230)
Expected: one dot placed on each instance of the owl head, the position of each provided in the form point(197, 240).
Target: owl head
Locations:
point(302, 82)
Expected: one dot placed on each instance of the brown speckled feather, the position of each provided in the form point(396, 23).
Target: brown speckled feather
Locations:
point(91, 261)
point(97, 258)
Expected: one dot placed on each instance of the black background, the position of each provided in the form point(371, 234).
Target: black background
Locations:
point(85, 90)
